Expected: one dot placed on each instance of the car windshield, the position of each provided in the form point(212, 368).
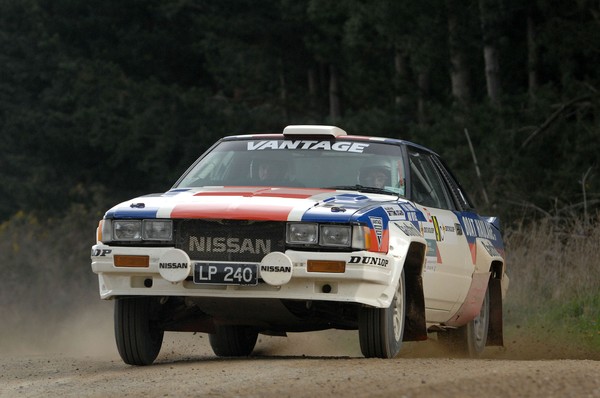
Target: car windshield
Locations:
point(366, 166)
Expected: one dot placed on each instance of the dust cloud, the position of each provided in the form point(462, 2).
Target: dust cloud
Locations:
point(77, 332)
point(87, 332)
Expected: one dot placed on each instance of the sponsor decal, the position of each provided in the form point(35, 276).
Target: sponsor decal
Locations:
point(229, 245)
point(275, 268)
point(377, 223)
point(430, 265)
point(412, 213)
point(408, 229)
point(356, 147)
point(100, 252)
point(489, 247)
point(436, 227)
point(433, 251)
point(394, 212)
point(172, 265)
point(382, 262)
point(431, 248)
point(427, 230)
point(475, 227)
point(408, 207)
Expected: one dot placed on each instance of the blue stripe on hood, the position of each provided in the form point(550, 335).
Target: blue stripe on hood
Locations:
point(342, 208)
point(124, 212)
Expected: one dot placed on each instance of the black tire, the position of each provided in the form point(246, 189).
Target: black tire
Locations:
point(233, 341)
point(380, 330)
point(138, 337)
point(469, 340)
point(477, 329)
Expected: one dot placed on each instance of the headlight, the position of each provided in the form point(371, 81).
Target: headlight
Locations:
point(328, 235)
point(335, 235)
point(130, 230)
point(301, 233)
point(138, 230)
point(157, 229)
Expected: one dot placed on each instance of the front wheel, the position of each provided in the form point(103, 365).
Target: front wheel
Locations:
point(380, 330)
point(138, 336)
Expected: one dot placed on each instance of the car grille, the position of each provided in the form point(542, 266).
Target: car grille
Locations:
point(229, 240)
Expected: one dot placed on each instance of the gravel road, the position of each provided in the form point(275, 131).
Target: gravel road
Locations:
point(57, 375)
point(82, 361)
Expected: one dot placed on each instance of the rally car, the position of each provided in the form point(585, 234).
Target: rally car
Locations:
point(307, 230)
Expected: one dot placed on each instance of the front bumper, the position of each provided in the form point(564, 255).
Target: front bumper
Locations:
point(372, 283)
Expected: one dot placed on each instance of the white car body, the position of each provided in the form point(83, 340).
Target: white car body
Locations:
point(232, 245)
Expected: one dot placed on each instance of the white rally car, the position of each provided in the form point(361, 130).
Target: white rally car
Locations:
point(307, 230)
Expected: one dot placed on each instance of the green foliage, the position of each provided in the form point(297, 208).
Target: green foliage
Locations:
point(45, 264)
point(572, 324)
point(554, 279)
point(123, 96)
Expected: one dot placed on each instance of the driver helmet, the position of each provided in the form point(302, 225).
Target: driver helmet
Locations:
point(269, 170)
point(375, 174)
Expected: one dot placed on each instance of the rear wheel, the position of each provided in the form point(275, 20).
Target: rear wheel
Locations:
point(137, 333)
point(233, 341)
point(380, 330)
point(470, 340)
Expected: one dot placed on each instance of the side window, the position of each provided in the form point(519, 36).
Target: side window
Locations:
point(427, 187)
point(459, 195)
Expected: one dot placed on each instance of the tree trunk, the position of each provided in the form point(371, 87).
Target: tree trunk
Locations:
point(492, 74)
point(283, 91)
point(335, 109)
point(312, 88)
point(423, 83)
point(311, 81)
point(490, 15)
point(401, 68)
point(532, 58)
point(459, 72)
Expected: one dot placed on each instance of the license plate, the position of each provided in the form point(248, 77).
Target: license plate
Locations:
point(225, 274)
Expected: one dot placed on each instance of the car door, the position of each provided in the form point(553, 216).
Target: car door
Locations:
point(448, 271)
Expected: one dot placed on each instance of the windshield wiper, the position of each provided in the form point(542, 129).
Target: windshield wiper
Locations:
point(362, 188)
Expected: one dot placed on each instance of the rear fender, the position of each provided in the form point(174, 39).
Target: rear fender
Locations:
point(489, 265)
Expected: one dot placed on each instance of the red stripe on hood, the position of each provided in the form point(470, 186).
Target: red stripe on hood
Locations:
point(242, 211)
point(296, 193)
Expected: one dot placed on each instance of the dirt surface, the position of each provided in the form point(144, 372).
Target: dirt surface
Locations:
point(81, 360)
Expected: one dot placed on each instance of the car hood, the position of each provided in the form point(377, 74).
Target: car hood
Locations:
point(252, 203)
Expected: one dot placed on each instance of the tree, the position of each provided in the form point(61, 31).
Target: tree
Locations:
point(326, 43)
point(119, 97)
point(459, 70)
point(491, 17)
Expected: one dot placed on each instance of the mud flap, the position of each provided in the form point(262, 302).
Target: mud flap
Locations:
point(415, 328)
point(495, 329)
